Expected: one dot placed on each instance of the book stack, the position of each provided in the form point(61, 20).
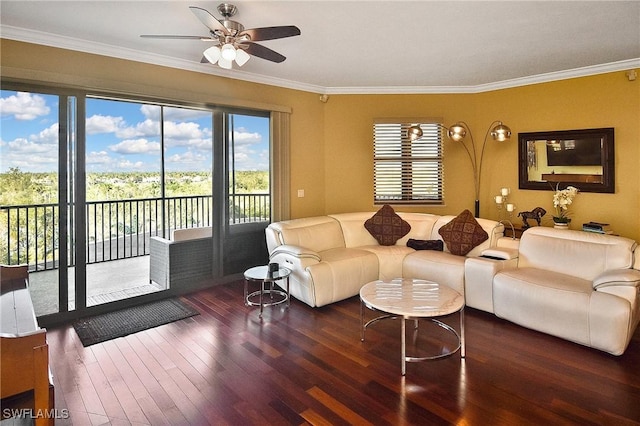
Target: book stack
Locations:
point(597, 227)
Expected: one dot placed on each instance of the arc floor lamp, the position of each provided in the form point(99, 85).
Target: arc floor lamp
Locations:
point(458, 132)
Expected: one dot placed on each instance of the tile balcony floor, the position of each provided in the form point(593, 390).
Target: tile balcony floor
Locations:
point(106, 282)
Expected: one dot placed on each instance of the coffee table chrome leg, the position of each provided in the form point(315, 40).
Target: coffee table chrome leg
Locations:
point(261, 295)
point(288, 293)
point(246, 292)
point(404, 346)
point(462, 345)
point(361, 320)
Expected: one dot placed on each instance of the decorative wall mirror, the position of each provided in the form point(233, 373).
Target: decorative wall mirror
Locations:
point(581, 158)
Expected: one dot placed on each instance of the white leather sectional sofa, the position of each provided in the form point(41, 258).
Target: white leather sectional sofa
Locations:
point(579, 286)
point(333, 256)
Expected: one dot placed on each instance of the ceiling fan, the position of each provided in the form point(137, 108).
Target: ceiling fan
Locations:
point(231, 41)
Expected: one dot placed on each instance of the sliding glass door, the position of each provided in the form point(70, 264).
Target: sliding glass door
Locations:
point(35, 212)
point(86, 181)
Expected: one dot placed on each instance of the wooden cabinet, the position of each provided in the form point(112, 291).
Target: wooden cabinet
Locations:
point(516, 233)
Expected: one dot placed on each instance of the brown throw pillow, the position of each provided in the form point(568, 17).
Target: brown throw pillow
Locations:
point(437, 245)
point(463, 233)
point(386, 226)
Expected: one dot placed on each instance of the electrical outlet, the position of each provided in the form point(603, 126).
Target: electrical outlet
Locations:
point(300, 193)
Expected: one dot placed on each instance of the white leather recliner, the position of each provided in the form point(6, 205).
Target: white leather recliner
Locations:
point(576, 285)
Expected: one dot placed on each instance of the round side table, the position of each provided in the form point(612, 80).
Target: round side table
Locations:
point(261, 275)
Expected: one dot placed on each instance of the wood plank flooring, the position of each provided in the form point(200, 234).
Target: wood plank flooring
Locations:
point(226, 366)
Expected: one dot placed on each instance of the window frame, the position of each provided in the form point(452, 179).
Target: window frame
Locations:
point(419, 164)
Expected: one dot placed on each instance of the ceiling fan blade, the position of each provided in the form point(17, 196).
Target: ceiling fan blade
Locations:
point(271, 33)
point(176, 37)
point(208, 19)
point(264, 52)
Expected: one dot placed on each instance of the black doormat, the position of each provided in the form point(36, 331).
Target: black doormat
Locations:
point(112, 325)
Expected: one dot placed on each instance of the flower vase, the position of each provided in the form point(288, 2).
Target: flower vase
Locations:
point(561, 225)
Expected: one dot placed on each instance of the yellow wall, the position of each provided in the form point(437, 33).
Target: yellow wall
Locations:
point(608, 100)
point(331, 143)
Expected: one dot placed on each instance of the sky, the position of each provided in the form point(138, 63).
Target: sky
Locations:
point(122, 136)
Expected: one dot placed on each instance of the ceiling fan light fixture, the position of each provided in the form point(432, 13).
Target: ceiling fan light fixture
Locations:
point(241, 57)
point(228, 52)
point(224, 63)
point(212, 54)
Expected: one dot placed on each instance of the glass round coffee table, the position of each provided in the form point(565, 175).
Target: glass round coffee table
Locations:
point(261, 275)
point(413, 299)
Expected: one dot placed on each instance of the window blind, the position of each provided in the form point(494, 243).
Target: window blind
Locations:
point(407, 171)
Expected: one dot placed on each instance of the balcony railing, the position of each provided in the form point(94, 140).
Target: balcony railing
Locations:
point(29, 234)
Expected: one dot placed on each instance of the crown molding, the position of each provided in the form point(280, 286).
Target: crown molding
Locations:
point(70, 43)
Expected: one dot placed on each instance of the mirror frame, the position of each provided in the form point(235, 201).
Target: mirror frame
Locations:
point(607, 154)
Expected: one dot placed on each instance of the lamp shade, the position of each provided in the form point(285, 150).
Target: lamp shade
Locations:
point(457, 132)
point(241, 57)
point(228, 52)
point(224, 63)
point(212, 54)
point(414, 132)
point(501, 132)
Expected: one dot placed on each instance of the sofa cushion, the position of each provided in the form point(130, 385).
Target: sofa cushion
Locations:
point(389, 259)
point(425, 244)
point(582, 254)
point(463, 233)
point(386, 226)
point(317, 234)
point(438, 266)
point(547, 301)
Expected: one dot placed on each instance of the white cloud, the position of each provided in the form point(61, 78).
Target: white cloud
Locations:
point(46, 136)
point(103, 124)
point(146, 128)
point(248, 159)
point(187, 134)
point(151, 111)
point(241, 136)
point(98, 157)
point(24, 147)
point(29, 156)
point(126, 164)
point(24, 106)
point(186, 157)
point(136, 146)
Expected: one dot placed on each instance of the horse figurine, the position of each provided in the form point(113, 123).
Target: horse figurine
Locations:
point(535, 214)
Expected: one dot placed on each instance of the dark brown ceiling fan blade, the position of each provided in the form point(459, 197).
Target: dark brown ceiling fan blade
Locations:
point(208, 19)
point(271, 33)
point(176, 37)
point(260, 51)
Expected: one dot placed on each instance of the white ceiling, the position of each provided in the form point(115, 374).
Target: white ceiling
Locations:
point(359, 46)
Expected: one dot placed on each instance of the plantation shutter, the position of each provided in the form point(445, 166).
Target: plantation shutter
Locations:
point(407, 171)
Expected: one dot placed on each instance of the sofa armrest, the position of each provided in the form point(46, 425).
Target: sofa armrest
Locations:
point(500, 253)
point(617, 277)
point(295, 251)
point(478, 280)
point(507, 242)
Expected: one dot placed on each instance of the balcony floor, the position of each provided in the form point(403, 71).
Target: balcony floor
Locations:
point(106, 282)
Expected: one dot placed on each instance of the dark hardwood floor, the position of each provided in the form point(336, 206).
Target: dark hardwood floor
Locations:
point(308, 366)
